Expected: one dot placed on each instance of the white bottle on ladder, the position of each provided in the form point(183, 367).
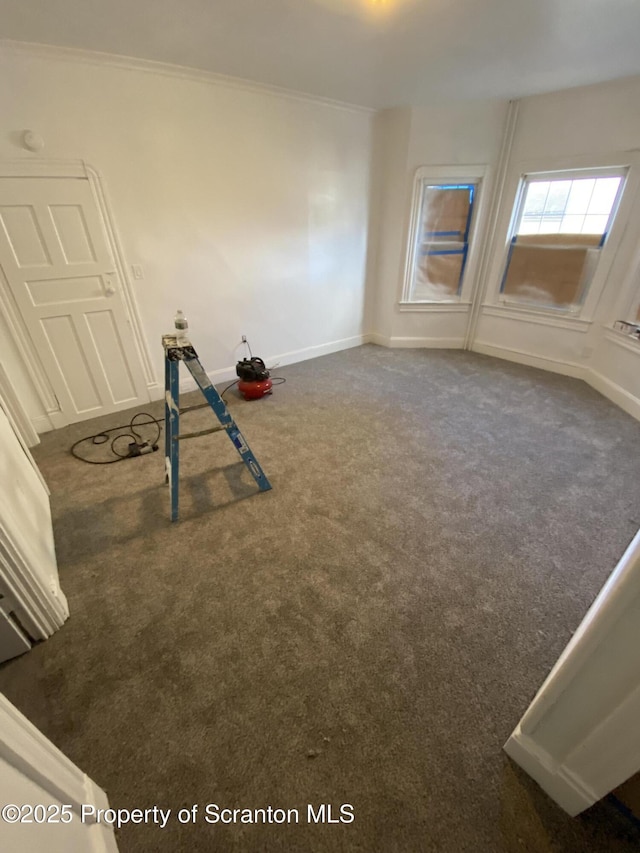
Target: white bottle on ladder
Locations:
point(181, 324)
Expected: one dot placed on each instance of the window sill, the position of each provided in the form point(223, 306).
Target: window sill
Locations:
point(560, 320)
point(454, 307)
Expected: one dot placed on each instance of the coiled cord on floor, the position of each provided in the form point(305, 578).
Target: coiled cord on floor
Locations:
point(131, 434)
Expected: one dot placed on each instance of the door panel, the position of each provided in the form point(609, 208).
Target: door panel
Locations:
point(108, 344)
point(61, 335)
point(57, 291)
point(59, 267)
point(24, 237)
point(72, 233)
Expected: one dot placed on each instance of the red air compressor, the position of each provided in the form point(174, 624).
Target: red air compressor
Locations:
point(254, 381)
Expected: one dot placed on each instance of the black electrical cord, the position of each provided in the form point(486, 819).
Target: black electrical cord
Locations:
point(103, 438)
point(229, 386)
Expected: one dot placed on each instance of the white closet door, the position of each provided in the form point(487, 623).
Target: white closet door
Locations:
point(59, 267)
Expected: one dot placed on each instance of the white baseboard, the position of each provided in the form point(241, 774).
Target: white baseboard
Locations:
point(379, 339)
point(415, 343)
point(597, 381)
point(566, 368)
point(615, 393)
point(42, 424)
point(228, 374)
point(561, 785)
point(295, 356)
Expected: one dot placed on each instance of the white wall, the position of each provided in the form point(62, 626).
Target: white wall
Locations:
point(445, 134)
point(247, 208)
point(590, 125)
point(250, 209)
point(392, 130)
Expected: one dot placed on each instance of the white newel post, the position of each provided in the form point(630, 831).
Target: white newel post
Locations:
point(580, 737)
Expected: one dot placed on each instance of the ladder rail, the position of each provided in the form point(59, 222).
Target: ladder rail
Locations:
point(233, 431)
point(175, 353)
point(171, 431)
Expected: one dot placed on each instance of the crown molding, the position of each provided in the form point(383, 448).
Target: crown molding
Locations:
point(166, 69)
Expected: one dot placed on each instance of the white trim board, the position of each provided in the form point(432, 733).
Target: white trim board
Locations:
point(622, 340)
point(580, 751)
point(42, 424)
point(166, 69)
point(42, 611)
point(434, 307)
point(20, 421)
point(612, 391)
point(559, 783)
point(26, 750)
point(566, 368)
point(615, 393)
point(508, 311)
point(392, 342)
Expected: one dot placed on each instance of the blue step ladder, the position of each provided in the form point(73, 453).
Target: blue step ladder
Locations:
point(175, 351)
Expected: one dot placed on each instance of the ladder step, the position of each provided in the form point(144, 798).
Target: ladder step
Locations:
point(184, 435)
point(193, 408)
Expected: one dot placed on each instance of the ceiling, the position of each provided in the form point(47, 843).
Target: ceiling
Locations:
point(377, 53)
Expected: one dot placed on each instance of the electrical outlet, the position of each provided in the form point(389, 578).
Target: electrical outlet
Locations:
point(137, 271)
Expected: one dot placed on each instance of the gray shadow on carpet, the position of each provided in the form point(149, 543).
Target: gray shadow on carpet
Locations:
point(95, 528)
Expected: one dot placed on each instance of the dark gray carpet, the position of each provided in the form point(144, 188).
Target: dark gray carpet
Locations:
point(369, 632)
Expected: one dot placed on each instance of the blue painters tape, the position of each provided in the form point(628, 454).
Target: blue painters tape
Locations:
point(445, 252)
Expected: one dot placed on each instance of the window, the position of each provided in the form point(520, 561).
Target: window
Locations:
point(443, 214)
point(561, 223)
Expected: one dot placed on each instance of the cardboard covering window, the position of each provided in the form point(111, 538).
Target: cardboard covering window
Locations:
point(562, 224)
point(552, 269)
point(437, 276)
point(442, 241)
point(445, 211)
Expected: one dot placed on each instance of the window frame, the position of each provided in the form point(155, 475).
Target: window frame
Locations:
point(634, 312)
point(577, 166)
point(442, 175)
point(628, 305)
